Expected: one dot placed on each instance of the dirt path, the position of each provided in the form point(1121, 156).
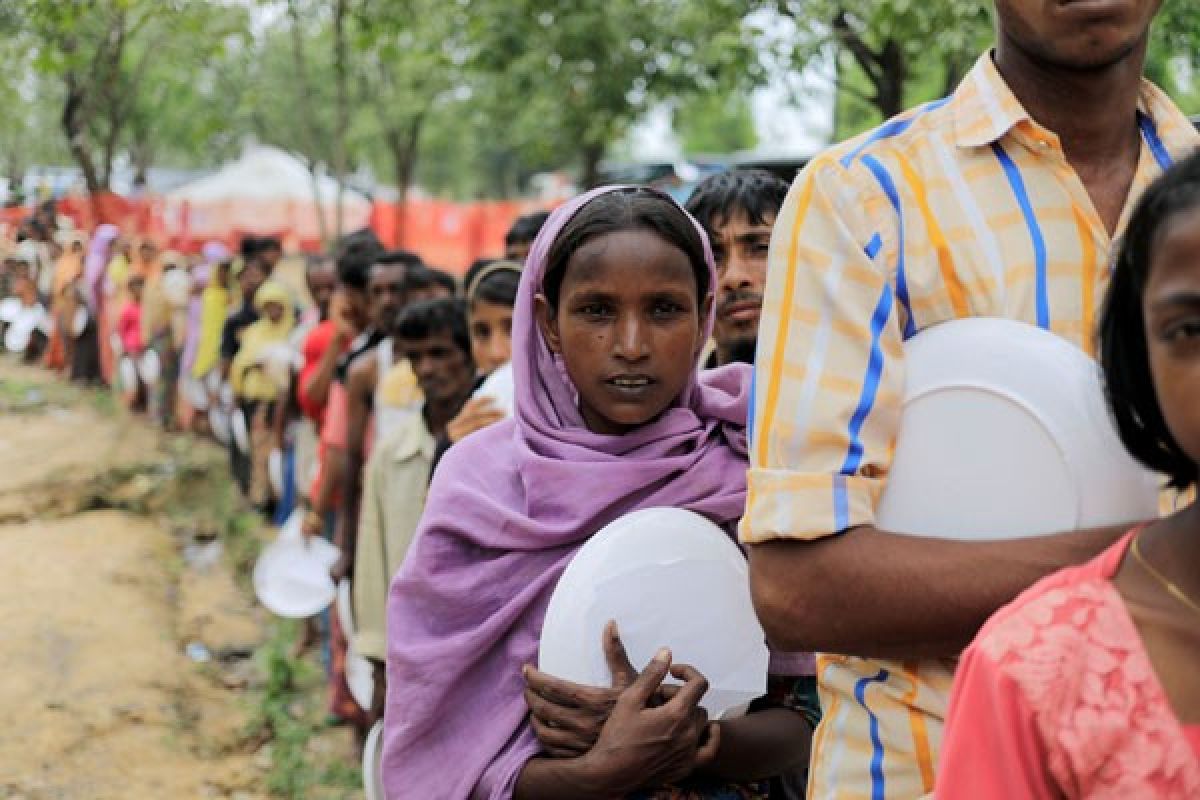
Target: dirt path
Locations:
point(97, 695)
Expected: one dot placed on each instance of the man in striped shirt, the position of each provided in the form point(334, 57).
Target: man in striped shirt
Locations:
point(1001, 200)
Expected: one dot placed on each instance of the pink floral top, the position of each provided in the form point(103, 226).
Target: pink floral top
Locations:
point(1057, 698)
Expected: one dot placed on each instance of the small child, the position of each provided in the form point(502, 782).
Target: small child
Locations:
point(129, 323)
point(1086, 685)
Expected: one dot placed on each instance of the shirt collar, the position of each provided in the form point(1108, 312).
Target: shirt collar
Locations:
point(411, 437)
point(984, 110)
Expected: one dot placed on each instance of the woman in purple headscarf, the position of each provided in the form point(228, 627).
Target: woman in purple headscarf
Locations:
point(86, 358)
point(614, 307)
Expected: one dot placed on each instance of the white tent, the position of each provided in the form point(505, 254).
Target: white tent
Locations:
point(267, 190)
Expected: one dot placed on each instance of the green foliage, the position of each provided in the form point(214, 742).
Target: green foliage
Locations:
point(715, 123)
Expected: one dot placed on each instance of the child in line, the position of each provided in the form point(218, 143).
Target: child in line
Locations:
point(614, 307)
point(1086, 685)
point(491, 292)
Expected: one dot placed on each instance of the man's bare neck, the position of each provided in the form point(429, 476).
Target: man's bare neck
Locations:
point(1093, 112)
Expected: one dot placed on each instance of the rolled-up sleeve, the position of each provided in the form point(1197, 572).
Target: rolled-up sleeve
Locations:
point(829, 370)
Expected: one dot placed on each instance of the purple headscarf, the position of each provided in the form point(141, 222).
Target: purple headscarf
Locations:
point(95, 263)
point(507, 510)
point(214, 253)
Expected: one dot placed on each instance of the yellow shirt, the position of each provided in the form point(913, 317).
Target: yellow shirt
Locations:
point(963, 207)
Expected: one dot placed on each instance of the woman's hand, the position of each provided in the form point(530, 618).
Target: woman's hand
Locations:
point(567, 717)
point(478, 413)
point(646, 746)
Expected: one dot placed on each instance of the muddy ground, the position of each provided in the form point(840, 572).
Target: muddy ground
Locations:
point(131, 651)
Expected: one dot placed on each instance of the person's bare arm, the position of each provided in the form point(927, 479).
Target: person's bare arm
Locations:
point(761, 745)
point(875, 594)
point(316, 387)
point(279, 417)
point(360, 385)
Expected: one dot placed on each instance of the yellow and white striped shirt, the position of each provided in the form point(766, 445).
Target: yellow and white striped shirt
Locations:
point(962, 207)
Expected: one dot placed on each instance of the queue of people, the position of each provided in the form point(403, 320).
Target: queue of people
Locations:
point(740, 356)
point(1055, 187)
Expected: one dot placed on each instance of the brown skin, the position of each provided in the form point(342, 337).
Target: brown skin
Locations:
point(740, 250)
point(629, 305)
point(517, 251)
point(1170, 629)
point(322, 282)
point(385, 299)
point(491, 347)
point(347, 308)
point(444, 372)
point(567, 719)
point(270, 259)
point(1077, 71)
point(491, 335)
point(641, 744)
point(627, 311)
point(274, 312)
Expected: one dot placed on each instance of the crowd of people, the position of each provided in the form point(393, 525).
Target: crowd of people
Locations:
point(740, 356)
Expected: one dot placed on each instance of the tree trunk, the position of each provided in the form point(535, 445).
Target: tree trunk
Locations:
point(405, 146)
point(592, 153)
point(343, 109)
point(893, 74)
point(322, 222)
point(74, 129)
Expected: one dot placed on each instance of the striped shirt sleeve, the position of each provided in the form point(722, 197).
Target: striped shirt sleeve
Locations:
point(829, 371)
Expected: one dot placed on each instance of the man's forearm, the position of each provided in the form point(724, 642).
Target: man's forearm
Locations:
point(351, 503)
point(316, 391)
point(875, 594)
point(557, 779)
point(761, 745)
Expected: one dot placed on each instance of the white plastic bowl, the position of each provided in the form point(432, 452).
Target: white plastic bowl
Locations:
point(79, 322)
point(150, 367)
point(291, 577)
point(360, 675)
point(1004, 434)
point(240, 430)
point(670, 578)
point(501, 388)
point(218, 421)
point(275, 472)
point(372, 763)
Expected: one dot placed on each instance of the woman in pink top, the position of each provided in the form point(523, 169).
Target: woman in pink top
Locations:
point(1087, 685)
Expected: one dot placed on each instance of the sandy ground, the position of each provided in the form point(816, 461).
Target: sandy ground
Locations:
point(97, 696)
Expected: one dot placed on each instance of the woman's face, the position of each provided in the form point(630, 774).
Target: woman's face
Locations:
point(629, 327)
point(1171, 305)
point(491, 335)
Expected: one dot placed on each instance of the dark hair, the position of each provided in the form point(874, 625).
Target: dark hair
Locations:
point(430, 317)
point(419, 277)
point(405, 257)
point(355, 253)
point(625, 210)
point(526, 228)
point(444, 279)
point(718, 197)
point(249, 247)
point(1122, 334)
point(498, 285)
point(266, 243)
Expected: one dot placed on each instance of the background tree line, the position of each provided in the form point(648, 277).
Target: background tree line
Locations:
point(466, 98)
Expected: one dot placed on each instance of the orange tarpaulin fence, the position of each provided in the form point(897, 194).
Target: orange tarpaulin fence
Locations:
point(445, 234)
